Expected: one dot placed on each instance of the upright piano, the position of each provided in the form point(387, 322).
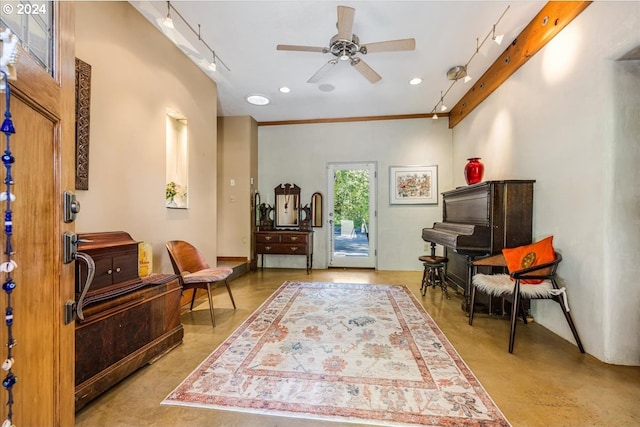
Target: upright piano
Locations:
point(480, 220)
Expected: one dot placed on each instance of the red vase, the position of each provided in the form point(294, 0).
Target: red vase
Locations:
point(473, 170)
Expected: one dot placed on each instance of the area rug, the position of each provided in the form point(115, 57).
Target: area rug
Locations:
point(345, 352)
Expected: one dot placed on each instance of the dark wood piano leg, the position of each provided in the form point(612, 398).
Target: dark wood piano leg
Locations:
point(466, 303)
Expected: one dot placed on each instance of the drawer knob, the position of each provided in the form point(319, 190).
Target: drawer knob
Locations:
point(294, 248)
point(267, 248)
point(268, 238)
point(294, 238)
point(118, 270)
point(109, 271)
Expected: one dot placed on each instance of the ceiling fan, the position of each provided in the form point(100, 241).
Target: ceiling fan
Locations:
point(345, 45)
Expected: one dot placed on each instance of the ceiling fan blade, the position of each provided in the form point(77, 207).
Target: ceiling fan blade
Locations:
point(345, 22)
point(389, 46)
point(322, 71)
point(301, 48)
point(366, 70)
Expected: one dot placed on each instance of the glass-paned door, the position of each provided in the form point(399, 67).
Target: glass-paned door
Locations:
point(352, 214)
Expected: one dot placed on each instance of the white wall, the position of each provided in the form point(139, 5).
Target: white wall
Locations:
point(299, 154)
point(136, 75)
point(623, 215)
point(559, 120)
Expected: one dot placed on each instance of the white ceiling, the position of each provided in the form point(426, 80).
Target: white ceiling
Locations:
point(244, 35)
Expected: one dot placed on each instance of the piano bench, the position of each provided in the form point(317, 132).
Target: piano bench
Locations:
point(434, 273)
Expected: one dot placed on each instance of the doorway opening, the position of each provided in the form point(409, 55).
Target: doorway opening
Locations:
point(352, 214)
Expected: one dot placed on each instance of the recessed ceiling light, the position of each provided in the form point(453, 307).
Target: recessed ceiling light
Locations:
point(285, 89)
point(257, 100)
point(415, 81)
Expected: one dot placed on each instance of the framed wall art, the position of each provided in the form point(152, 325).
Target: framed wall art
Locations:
point(413, 185)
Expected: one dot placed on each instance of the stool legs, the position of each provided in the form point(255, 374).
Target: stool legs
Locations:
point(434, 276)
point(423, 286)
point(442, 281)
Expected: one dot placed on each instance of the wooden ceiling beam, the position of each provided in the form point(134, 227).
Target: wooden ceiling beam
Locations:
point(551, 19)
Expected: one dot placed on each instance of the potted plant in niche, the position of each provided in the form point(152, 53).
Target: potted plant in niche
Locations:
point(170, 193)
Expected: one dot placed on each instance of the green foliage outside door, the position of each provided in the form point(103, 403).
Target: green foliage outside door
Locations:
point(351, 196)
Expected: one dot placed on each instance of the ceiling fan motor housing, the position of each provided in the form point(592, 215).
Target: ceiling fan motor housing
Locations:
point(344, 49)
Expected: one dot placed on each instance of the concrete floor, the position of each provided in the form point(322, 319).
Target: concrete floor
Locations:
point(546, 382)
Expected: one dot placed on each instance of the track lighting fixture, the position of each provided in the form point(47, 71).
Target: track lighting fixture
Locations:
point(497, 38)
point(456, 73)
point(442, 106)
point(168, 22)
point(461, 71)
point(212, 65)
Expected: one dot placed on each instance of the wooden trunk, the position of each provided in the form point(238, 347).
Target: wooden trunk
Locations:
point(120, 335)
point(128, 321)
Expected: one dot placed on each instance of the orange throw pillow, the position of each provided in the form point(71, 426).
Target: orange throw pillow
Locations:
point(527, 256)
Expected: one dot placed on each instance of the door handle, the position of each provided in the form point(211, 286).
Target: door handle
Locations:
point(91, 269)
point(73, 308)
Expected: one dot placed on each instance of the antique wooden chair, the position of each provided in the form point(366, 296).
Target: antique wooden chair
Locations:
point(514, 287)
point(195, 273)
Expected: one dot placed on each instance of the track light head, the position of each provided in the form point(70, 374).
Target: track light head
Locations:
point(497, 38)
point(168, 22)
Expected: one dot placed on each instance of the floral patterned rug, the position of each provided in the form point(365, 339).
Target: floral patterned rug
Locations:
point(344, 352)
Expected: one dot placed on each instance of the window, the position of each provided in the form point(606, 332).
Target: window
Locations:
point(32, 22)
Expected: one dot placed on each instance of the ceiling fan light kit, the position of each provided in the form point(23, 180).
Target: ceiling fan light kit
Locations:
point(345, 46)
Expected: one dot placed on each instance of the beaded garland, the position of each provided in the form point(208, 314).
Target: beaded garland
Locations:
point(9, 264)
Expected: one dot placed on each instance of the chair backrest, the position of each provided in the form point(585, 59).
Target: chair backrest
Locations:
point(542, 271)
point(185, 257)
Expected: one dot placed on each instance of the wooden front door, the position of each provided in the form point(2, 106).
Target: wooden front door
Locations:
point(43, 111)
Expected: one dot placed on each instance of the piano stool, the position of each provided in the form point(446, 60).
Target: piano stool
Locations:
point(434, 273)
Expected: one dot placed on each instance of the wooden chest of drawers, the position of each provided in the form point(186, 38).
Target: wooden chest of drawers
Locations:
point(285, 242)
